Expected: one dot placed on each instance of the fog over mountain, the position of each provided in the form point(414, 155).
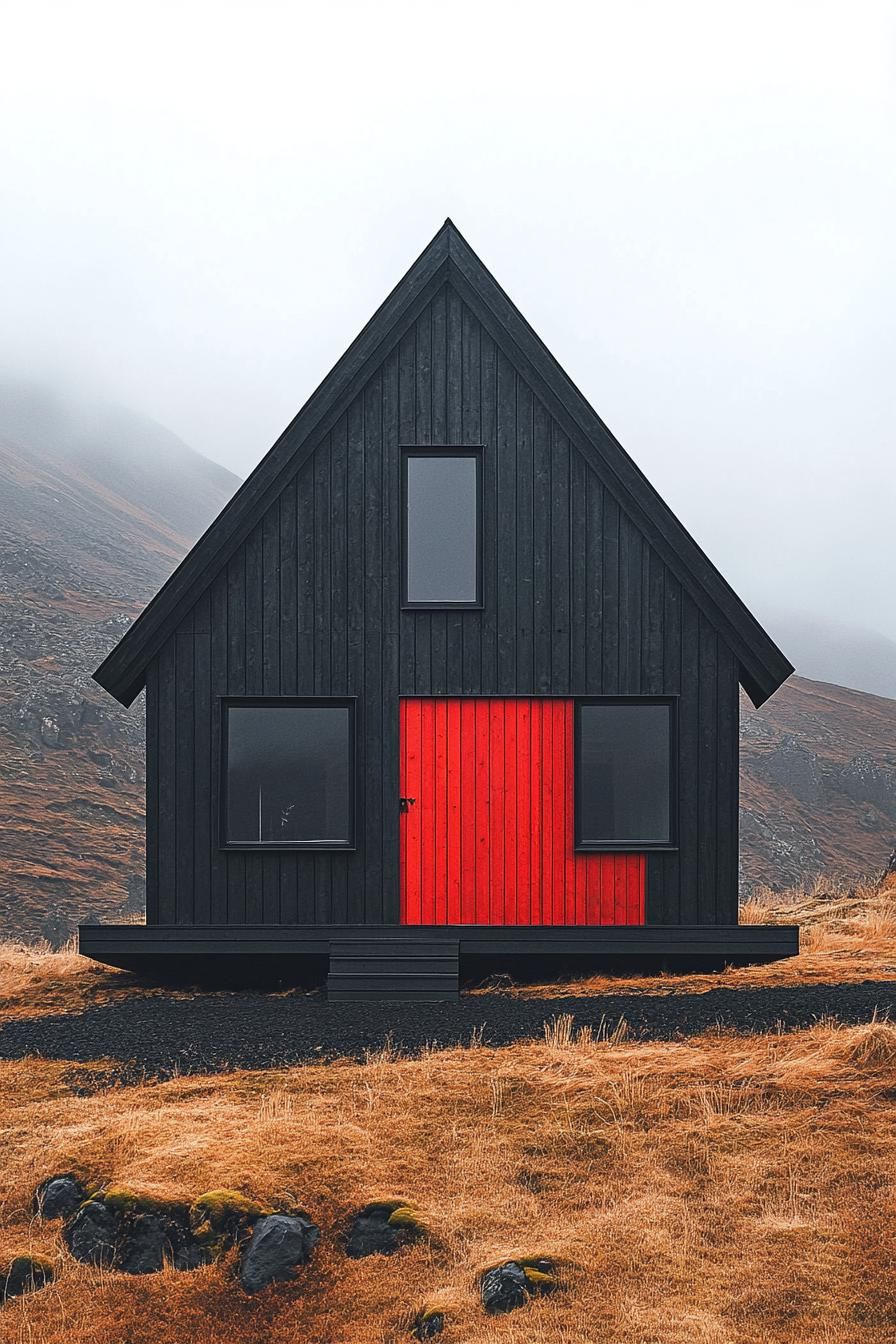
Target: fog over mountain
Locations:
point(694, 205)
point(844, 654)
point(133, 457)
point(97, 506)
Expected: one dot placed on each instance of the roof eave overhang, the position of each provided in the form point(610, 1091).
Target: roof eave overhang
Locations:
point(759, 689)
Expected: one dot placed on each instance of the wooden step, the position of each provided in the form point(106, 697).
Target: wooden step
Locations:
point(424, 970)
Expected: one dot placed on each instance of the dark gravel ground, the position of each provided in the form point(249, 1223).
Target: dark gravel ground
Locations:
point(211, 1032)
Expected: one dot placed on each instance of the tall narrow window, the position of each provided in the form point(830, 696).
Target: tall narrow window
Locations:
point(442, 527)
point(289, 774)
point(624, 774)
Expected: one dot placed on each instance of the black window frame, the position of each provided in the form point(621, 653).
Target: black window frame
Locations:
point(475, 451)
point(626, 846)
point(349, 702)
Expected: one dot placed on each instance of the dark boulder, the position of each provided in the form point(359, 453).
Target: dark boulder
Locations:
point(189, 1256)
point(58, 1196)
point(510, 1285)
point(279, 1242)
point(143, 1246)
point(94, 1233)
point(149, 1241)
point(24, 1274)
point(381, 1229)
point(504, 1288)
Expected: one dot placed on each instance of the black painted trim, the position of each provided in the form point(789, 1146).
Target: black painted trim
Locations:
point(669, 845)
point(762, 664)
point(222, 705)
point(476, 451)
point(123, 672)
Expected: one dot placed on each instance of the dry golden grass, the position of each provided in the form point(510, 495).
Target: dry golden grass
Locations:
point(725, 1191)
point(847, 934)
point(35, 981)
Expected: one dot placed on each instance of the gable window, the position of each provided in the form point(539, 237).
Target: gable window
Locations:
point(289, 773)
point(624, 771)
point(441, 527)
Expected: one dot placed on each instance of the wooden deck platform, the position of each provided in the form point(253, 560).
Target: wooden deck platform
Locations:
point(353, 956)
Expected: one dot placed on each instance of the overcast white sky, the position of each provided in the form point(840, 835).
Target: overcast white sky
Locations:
point(694, 205)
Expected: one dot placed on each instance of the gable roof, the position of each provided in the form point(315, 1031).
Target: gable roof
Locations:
point(763, 667)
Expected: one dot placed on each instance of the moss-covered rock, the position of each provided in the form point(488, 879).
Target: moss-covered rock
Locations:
point(428, 1323)
point(128, 1201)
point(382, 1227)
point(220, 1219)
point(121, 1197)
point(539, 1280)
point(59, 1196)
point(406, 1218)
point(25, 1274)
point(136, 1233)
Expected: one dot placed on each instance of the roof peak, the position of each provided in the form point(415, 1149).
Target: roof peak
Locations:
point(448, 256)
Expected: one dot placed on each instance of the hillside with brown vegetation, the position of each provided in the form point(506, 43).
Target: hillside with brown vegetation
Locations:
point(96, 508)
point(818, 784)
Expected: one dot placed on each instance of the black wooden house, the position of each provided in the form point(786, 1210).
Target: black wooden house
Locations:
point(445, 683)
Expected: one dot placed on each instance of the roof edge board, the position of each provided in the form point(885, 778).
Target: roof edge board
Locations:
point(122, 672)
point(768, 669)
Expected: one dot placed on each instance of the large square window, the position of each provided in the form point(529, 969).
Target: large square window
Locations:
point(289, 774)
point(624, 774)
point(441, 527)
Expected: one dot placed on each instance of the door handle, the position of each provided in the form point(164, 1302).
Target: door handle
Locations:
point(405, 803)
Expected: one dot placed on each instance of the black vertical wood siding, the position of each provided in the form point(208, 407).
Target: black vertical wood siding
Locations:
point(577, 602)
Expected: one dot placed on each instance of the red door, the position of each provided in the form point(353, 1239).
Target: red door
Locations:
point(488, 837)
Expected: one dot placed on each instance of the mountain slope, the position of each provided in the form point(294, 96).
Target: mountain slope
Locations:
point(96, 508)
point(818, 784)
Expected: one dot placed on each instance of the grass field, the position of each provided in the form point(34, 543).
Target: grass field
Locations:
point(727, 1190)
